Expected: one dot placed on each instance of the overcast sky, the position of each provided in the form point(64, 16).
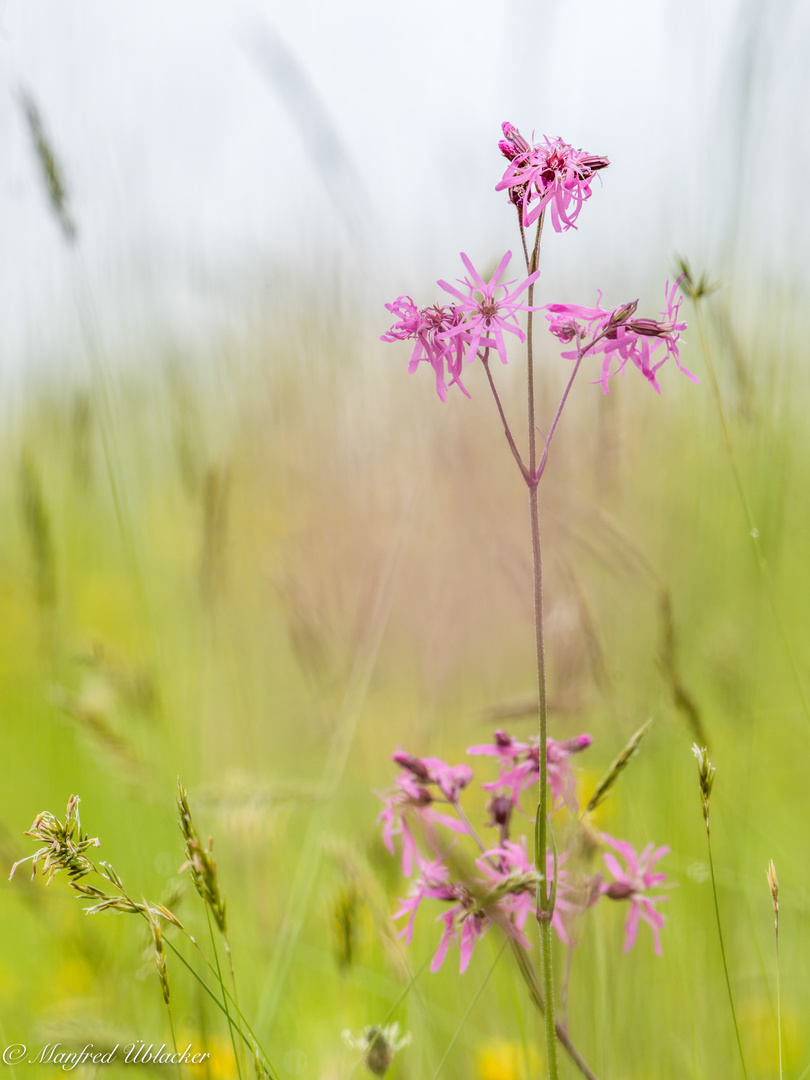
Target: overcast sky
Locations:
point(203, 141)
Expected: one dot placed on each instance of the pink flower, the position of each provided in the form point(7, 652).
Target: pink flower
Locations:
point(620, 337)
point(432, 883)
point(508, 866)
point(520, 765)
point(428, 326)
point(551, 174)
point(489, 307)
point(450, 779)
point(633, 884)
point(465, 925)
point(412, 798)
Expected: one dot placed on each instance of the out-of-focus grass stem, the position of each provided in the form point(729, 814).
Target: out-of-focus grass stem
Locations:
point(753, 531)
point(723, 953)
point(773, 885)
point(242, 1022)
point(303, 880)
point(466, 1015)
point(224, 993)
point(706, 772)
point(535, 992)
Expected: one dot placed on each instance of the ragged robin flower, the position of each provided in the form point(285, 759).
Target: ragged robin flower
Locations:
point(422, 783)
point(551, 174)
point(428, 327)
point(621, 337)
point(633, 884)
point(489, 308)
point(520, 765)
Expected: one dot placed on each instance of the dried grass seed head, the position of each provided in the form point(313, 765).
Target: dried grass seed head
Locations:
point(201, 863)
point(63, 844)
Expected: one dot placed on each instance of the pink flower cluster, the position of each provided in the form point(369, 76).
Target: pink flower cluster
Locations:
point(550, 174)
point(520, 765)
point(444, 336)
point(504, 891)
point(621, 337)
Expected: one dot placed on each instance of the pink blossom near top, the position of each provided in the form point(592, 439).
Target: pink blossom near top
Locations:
point(520, 765)
point(450, 779)
point(489, 308)
point(428, 327)
point(620, 337)
point(633, 884)
point(550, 174)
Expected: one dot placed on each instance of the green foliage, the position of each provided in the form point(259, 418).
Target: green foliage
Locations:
point(294, 611)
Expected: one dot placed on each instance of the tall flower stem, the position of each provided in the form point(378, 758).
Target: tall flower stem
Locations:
point(544, 911)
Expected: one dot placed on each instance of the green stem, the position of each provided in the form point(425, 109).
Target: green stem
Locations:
point(543, 904)
point(723, 952)
point(224, 994)
point(778, 1004)
point(242, 1021)
point(530, 978)
point(753, 531)
point(466, 1015)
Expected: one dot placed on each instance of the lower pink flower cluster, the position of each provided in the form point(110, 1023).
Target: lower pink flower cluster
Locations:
point(423, 813)
point(484, 311)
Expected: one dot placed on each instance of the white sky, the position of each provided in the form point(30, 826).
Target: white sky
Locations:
point(201, 140)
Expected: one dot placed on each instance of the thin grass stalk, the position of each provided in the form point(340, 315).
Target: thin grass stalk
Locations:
point(466, 1015)
point(706, 776)
point(237, 1024)
point(224, 994)
point(723, 953)
point(536, 994)
point(753, 531)
point(773, 885)
point(339, 750)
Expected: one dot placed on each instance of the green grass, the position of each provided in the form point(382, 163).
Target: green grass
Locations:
point(314, 562)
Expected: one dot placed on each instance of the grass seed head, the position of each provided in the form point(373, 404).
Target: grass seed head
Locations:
point(63, 845)
point(49, 166)
point(201, 863)
point(617, 768)
point(706, 773)
point(773, 885)
point(160, 951)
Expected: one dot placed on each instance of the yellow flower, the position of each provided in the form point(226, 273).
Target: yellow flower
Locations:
point(500, 1059)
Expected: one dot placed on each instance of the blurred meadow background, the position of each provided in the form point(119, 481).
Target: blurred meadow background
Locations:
point(240, 545)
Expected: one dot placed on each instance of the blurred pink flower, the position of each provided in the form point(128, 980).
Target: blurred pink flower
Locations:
point(520, 765)
point(489, 307)
point(620, 337)
point(432, 883)
point(412, 798)
point(633, 884)
point(428, 326)
point(551, 174)
point(513, 864)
